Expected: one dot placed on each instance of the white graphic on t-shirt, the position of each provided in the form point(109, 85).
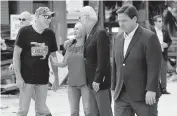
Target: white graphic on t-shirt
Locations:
point(39, 49)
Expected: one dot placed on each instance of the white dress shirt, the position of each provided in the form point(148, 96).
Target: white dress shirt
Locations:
point(160, 36)
point(128, 39)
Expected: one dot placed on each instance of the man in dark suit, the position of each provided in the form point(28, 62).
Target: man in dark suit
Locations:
point(165, 42)
point(97, 63)
point(136, 67)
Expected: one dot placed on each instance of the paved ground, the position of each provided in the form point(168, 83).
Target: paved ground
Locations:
point(59, 106)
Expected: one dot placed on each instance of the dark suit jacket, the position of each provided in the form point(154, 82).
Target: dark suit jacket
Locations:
point(97, 55)
point(166, 39)
point(139, 70)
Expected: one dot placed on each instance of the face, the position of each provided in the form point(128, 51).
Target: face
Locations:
point(44, 20)
point(126, 23)
point(158, 23)
point(78, 30)
point(83, 18)
point(24, 21)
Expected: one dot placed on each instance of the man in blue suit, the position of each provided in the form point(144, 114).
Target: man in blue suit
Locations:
point(165, 42)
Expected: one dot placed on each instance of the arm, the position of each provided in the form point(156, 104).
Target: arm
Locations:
point(102, 56)
point(17, 62)
point(63, 63)
point(55, 85)
point(17, 65)
point(19, 46)
point(66, 55)
point(153, 60)
point(54, 68)
point(168, 40)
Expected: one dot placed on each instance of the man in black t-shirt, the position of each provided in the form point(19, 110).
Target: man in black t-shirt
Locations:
point(33, 46)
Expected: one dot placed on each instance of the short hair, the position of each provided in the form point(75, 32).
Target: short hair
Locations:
point(88, 10)
point(156, 17)
point(129, 10)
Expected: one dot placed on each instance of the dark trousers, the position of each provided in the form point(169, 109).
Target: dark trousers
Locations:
point(123, 106)
point(163, 77)
point(101, 103)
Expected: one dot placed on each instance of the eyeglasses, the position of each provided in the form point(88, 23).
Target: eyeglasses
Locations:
point(47, 16)
point(22, 19)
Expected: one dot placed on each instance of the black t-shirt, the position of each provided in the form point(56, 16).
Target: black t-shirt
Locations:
point(36, 49)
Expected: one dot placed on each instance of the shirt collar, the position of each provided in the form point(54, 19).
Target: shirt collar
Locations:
point(157, 29)
point(130, 35)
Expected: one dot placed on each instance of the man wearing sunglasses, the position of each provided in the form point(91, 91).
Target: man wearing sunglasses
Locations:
point(33, 46)
point(25, 19)
point(165, 42)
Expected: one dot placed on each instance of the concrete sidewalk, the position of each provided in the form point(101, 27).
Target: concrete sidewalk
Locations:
point(59, 106)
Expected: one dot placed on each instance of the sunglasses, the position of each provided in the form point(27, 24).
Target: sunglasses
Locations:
point(48, 16)
point(22, 19)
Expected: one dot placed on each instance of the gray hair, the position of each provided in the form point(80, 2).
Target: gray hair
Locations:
point(88, 10)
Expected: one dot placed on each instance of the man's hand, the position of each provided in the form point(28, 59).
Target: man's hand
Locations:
point(150, 97)
point(96, 86)
point(20, 82)
point(55, 85)
point(164, 45)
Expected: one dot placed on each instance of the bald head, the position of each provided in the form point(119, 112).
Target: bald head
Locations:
point(25, 15)
point(25, 18)
point(88, 10)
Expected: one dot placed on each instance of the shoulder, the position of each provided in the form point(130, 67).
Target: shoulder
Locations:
point(101, 33)
point(50, 31)
point(148, 37)
point(146, 33)
point(25, 29)
point(101, 30)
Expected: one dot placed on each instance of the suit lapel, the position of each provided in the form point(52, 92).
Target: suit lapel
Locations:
point(90, 35)
point(135, 38)
point(122, 48)
point(119, 47)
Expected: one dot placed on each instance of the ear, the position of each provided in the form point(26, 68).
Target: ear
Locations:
point(135, 18)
